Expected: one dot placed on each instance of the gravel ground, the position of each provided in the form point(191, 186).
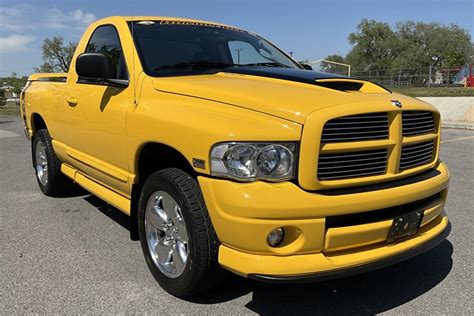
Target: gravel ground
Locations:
point(73, 255)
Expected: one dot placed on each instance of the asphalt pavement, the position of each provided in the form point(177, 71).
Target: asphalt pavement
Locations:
point(73, 255)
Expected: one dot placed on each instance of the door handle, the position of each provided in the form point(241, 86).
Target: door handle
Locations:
point(72, 101)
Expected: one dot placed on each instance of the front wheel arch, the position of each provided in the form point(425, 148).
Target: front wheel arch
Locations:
point(153, 157)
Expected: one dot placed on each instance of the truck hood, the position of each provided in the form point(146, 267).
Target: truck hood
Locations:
point(291, 94)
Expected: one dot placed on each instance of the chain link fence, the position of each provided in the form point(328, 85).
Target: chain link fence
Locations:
point(414, 77)
point(403, 77)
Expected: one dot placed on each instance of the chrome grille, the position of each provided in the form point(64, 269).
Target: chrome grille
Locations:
point(352, 164)
point(417, 122)
point(415, 155)
point(356, 127)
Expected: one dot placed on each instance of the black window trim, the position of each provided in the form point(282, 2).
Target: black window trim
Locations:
point(104, 83)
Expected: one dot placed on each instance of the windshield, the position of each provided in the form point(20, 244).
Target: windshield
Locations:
point(180, 47)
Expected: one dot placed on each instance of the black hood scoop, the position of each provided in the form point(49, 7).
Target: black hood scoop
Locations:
point(341, 85)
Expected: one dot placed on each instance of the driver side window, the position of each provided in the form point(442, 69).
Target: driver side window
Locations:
point(105, 40)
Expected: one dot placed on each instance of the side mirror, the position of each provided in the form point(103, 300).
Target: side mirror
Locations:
point(98, 66)
point(95, 65)
point(307, 67)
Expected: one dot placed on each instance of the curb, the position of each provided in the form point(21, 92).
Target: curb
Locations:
point(458, 125)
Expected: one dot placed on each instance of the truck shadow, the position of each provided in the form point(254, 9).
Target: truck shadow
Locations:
point(108, 94)
point(364, 294)
point(108, 210)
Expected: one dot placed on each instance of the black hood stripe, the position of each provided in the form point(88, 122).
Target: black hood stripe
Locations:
point(291, 74)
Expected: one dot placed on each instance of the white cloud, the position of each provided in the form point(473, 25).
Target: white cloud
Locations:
point(84, 18)
point(15, 43)
point(56, 19)
point(26, 17)
point(23, 26)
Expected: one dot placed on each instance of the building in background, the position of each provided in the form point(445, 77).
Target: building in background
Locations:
point(7, 95)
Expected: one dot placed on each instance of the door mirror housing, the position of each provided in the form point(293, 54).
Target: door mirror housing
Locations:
point(98, 66)
point(307, 67)
point(95, 65)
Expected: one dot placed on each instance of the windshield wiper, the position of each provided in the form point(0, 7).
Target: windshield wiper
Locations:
point(195, 65)
point(268, 64)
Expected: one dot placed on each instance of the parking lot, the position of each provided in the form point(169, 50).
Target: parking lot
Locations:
point(74, 255)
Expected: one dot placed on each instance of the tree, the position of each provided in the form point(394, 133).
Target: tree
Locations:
point(334, 68)
point(433, 44)
point(16, 82)
point(56, 56)
point(3, 97)
point(375, 46)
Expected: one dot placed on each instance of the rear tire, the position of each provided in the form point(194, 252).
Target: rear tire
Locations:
point(176, 234)
point(47, 166)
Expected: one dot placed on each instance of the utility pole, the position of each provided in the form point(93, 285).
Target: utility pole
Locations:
point(238, 55)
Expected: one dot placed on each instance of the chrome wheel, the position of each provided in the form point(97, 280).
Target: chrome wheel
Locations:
point(41, 163)
point(166, 234)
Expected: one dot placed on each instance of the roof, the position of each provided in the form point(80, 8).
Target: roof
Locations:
point(167, 18)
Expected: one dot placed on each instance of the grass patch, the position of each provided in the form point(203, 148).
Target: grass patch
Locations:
point(10, 110)
point(435, 91)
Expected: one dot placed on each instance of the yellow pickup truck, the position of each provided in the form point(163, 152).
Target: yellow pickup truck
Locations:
point(227, 154)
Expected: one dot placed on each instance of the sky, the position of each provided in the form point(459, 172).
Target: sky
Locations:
point(310, 29)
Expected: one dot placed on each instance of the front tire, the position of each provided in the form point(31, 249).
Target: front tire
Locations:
point(47, 166)
point(176, 234)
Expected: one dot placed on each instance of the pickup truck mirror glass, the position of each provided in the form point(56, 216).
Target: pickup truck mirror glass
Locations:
point(95, 65)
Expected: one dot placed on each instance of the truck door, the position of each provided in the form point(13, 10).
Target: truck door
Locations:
point(95, 117)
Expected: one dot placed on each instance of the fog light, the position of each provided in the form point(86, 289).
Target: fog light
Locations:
point(276, 237)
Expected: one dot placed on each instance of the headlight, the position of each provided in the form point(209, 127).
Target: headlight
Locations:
point(254, 161)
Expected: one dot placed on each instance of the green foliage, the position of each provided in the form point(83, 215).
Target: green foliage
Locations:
point(56, 56)
point(337, 58)
point(10, 110)
point(16, 82)
point(438, 92)
point(3, 98)
point(332, 68)
point(375, 46)
point(45, 67)
point(433, 44)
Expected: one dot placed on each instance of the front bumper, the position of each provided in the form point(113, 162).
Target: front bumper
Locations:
point(352, 270)
point(244, 213)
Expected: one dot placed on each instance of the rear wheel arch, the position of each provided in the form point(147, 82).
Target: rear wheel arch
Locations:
point(48, 166)
point(153, 157)
point(37, 123)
